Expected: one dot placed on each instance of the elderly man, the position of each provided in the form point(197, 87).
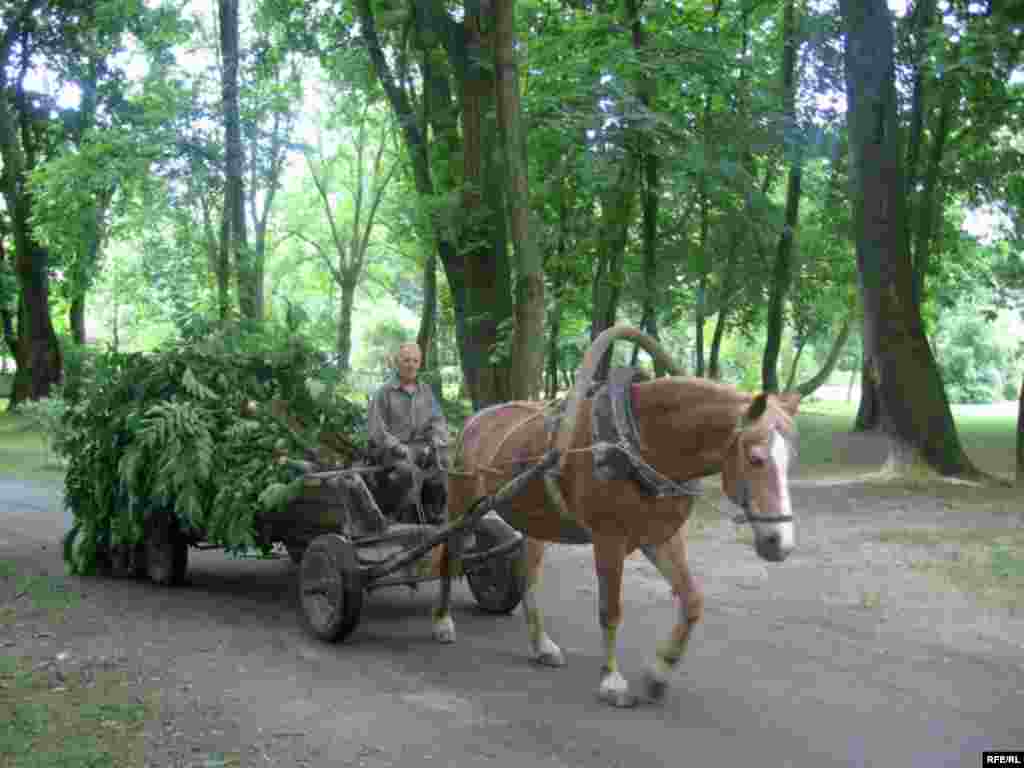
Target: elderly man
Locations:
point(408, 434)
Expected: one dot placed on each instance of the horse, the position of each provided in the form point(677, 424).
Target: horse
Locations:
point(686, 428)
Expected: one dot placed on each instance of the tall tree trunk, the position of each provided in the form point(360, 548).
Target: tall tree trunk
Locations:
point(344, 340)
point(528, 342)
point(486, 271)
point(234, 187)
point(698, 322)
point(930, 208)
point(869, 411)
point(616, 216)
point(558, 286)
point(915, 413)
point(647, 88)
point(426, 336)
point(38, 358)
point(782, 274)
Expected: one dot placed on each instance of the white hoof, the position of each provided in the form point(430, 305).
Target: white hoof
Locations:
point(444, 630)
point(614, 690)
point(547, 654)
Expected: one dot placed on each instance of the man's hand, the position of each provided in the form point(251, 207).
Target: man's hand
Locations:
point(400, 452)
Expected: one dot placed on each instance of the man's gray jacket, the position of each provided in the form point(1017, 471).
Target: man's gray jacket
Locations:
point(396, 416)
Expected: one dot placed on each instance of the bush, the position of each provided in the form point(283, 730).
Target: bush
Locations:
point(190, 429)
point(47, 415)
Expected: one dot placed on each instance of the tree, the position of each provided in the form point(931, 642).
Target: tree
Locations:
point(528, 345)
point(236, 230)
point(30, 36)
point(783, 270)
point(367, 182)
point(915, 413)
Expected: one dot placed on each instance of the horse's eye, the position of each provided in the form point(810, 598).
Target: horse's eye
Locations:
point(756, 461)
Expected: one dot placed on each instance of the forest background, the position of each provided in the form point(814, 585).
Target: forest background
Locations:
point(785, 193)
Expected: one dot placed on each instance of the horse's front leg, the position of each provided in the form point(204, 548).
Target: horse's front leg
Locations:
point(542, 648)
point(442, 563)
point(609, 557)
point(670, 560)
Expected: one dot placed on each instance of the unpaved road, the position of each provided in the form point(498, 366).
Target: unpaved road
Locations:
point(841, 656)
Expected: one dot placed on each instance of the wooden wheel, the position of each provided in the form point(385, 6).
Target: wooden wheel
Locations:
point(166, 551)
point(496, 583)
point(330, 587)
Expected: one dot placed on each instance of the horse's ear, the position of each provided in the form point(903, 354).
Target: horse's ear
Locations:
point(756, 409)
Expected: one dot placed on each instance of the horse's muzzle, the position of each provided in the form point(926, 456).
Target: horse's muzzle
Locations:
point(770, 547)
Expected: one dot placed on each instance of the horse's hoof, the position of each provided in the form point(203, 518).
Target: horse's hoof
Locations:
point(549, 654)
point(614, 690)
point(444, 630)
point(549, 660)
point(656, 685)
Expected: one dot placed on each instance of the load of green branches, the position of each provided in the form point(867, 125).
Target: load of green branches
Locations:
point(211, 432)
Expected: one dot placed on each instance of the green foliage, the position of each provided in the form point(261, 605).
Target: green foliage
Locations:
point(47, 415)
point(977, 363)
point(177, 430)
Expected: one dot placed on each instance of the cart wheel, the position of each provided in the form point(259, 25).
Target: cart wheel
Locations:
point(330, 587)
point(166, 552)
point(495, 582)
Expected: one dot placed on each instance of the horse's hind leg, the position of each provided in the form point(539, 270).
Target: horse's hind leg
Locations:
point(670, 560)
point(609, 557)
point(544, 651)
point(442, 562)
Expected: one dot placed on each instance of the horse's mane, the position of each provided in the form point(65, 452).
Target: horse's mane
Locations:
point(755, 414)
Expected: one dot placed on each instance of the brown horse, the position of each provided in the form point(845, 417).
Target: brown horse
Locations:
point(688, 428)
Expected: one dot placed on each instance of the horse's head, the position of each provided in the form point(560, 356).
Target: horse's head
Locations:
point(755, 472)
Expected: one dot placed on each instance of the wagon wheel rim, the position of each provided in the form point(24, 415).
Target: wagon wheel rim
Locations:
point(323, 593)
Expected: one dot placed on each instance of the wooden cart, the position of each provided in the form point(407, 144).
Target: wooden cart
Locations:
point(345, 547)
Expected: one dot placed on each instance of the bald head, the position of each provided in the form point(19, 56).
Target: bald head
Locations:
point(409, 360)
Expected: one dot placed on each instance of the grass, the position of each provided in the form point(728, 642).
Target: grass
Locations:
point(53, 715)
point(85, 721)
point(987, 433)
point(988, 562)
point(22, 451)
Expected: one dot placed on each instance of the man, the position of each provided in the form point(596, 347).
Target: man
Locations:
point(408, 434)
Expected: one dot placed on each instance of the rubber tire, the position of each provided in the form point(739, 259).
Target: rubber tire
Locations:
point(330, 587)
point(166, 551)
point(494, 583)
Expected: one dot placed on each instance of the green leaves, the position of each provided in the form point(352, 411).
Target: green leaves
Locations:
point(175, 430)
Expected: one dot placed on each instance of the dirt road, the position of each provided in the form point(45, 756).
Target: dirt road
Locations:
point(841, 656)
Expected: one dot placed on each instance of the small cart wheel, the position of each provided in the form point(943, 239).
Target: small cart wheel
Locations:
point(330, 587)
point(166, 551)
point(496, 582)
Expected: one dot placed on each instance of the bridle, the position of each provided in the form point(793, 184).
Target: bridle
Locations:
point(743, 496)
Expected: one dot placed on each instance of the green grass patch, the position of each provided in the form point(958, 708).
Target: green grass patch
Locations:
point(86, 722)
point(23, 451)
point(988, 562)
point(40, 591)
point(987, 433)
